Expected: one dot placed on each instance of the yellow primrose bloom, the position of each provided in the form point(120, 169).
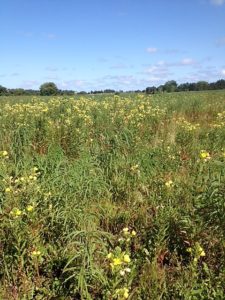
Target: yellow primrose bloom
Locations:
point(202, 253)
point(36, 253)
point(30, 208)
point(133, 233)
point(204, 154)
point(15, 212)
point(169, 183)
point(4, 153)
point(126, 293)
point(126, 258)
point(117, 261)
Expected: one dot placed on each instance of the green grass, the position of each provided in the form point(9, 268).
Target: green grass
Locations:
point(76, 172)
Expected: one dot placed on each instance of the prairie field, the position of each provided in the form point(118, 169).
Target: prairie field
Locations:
point(113, 197)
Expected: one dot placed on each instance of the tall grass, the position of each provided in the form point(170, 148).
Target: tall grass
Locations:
point(88, 182)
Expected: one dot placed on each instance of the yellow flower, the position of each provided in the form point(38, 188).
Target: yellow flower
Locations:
point(202, 253)
point(126, 258)
point(204, 154)
point(7, 190)
point(4, 153)
point(126, 293)
point(117, 261)
point(133, 233)
point(126, 230)
point(169, 183)
point(30, 208)
point(36, 253)
point(15, 212)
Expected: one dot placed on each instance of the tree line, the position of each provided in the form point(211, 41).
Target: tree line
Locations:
point(172, 86)
point(50, 88)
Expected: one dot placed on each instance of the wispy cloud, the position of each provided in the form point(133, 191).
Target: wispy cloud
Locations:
point(50, 36)
point(220, 42)
point(73, 84)
point(30, 84)
point(14, 74)
point(102, 60)
point(152, 50)
point(51, 69)
point(121, 66)
point(187, 62)
point(217, 2)
point(52, 77)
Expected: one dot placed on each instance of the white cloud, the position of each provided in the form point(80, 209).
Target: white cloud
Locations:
point(73, 84)
point(223, 72)
point(187, 61)
point(15, 74)
point(152, 50)
point(221, 42)
point(121, 66)
point(51, 69)
point(30, 84)
point(217, 2)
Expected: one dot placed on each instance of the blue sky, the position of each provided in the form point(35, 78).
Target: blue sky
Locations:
point(120, 44)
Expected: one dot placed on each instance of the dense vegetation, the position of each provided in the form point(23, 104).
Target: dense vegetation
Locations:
point(112, 197)
point(50, 88)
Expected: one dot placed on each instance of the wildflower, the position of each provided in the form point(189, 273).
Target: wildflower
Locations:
point(30, 208)
point(200, 251)
point(122, 293)
point(204, 155)
point(36, 253)
point(126, 258)
point(4, 154)
point(15, 212)
point(109, 255)
point(133, 233)
point(126, 293)
point(128, 270)
point(7, 190)
point(117, 261)
point(126, 231)
point(169, 183)
point(122, 272)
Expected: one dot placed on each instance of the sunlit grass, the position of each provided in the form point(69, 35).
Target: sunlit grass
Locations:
point(112, 197)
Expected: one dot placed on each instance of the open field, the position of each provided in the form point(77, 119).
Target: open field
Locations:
point(113, 197)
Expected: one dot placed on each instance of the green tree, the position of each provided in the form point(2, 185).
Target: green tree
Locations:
point(3, 90)
point(170, 86)
point(202, 85)
point(48, 89)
